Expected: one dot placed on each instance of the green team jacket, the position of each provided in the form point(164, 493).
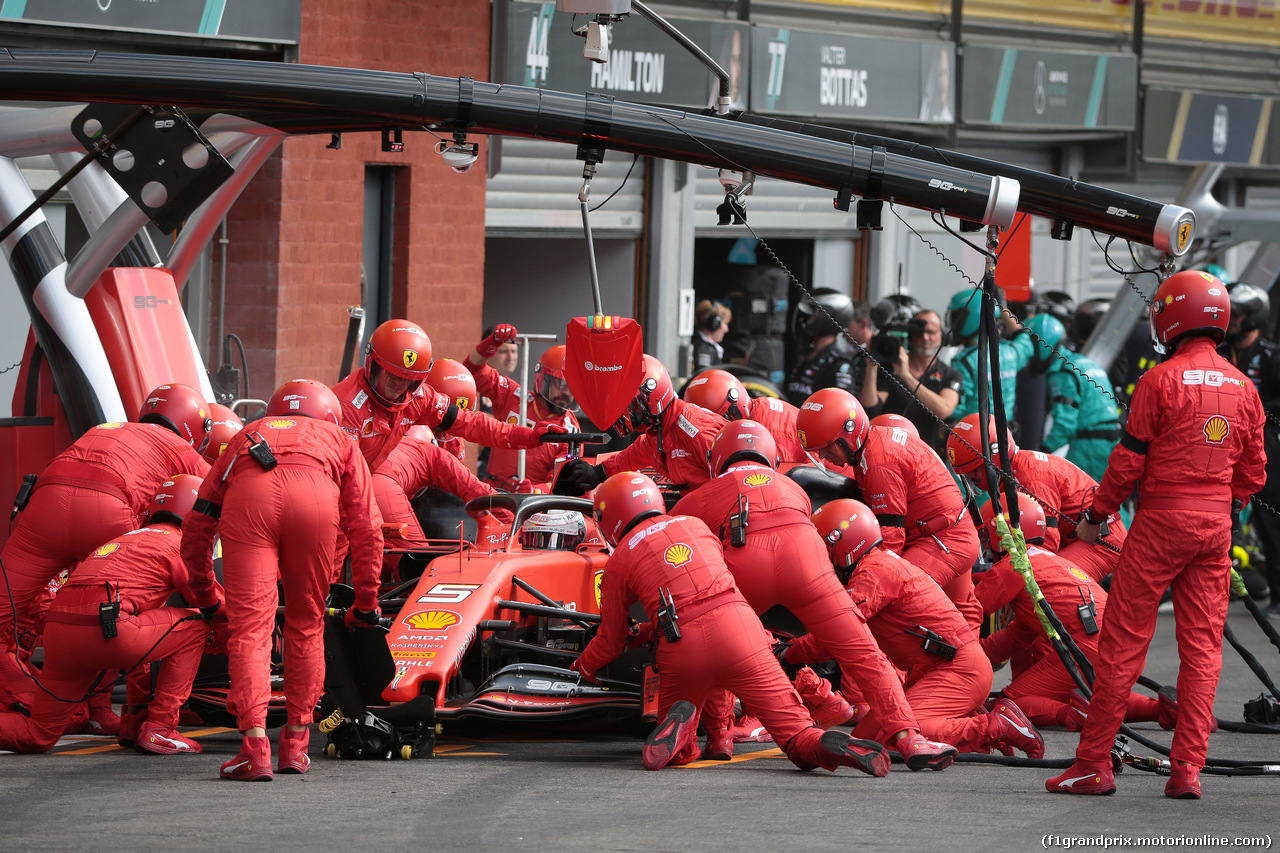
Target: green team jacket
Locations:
point(1078, 404)
point(1014, 355)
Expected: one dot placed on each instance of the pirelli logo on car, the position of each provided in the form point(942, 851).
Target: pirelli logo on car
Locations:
point(432, 620)
point(409, 655)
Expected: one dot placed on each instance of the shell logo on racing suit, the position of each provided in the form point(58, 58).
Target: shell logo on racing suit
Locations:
point(281, 423)
point(1216, 429)
point(1078, 575)
point(677, 555)
point(111, 425)
point(758, 480)
point(432, 620)
point(106, 549)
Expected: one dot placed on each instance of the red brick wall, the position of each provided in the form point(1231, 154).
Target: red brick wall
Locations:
point(296, 234)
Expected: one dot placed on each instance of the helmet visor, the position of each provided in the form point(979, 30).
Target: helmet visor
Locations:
point(390, 389)
point(555, 391)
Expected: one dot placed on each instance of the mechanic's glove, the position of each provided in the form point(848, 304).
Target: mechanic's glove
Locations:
point(641, 634)
point(780, 652)
point(214, 612)
point(454, 446)
point(502, 333)
point(525, 487)
point(357, 618)
point(221, 633)
point(530, 437)
point(576, 666)
point(1237, 506)
point(581, 476)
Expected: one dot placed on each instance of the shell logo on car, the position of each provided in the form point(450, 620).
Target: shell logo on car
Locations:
point(432, 620)
point(1216, 429)
point(677, 555)
point(758, 480)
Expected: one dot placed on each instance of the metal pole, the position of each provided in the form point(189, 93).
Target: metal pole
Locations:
point(523, 341)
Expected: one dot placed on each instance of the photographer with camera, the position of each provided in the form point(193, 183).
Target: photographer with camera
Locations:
point(909, 343)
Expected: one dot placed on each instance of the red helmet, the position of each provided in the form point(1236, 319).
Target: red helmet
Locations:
point(226, 423)
point(420, 432)
point(308, 398)
point(652, 398)
point(718, 391)
point(1189, 302)
point(399, 348)
point(176, 497)
point(962, 448)
point(454, 381)
point(850, 530)
point(1030, 519)
point(623, 500)
point(741, 440)
point(181, 409)
point(829, 415)
point(888, 421)
point(550, 382)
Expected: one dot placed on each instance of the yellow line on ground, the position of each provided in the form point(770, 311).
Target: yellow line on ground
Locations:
point(108, 747)
point(746, 756)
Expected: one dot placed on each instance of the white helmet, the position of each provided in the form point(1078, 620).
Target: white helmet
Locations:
point(553, 530)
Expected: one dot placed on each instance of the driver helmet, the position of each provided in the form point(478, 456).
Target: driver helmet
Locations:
point(553, 530)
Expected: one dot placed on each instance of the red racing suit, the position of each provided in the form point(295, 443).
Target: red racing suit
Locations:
point(379, 430)
point(1043, 687)
point(539, 462)
point(785, 562)
point(679, 453)
point(1062, 487)
point(282, 524)
point(922, 515)
point(413, 466)
point(779, 418)
point(1193, 444)
point(143, 568)
point(722, 644)
point(92, 492)
point(898, 601)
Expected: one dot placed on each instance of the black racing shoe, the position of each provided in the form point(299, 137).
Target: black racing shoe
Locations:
point(672, 736)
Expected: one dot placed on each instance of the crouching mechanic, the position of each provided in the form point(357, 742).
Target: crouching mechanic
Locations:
point(919, 507)
point(777, 558)
point(1063, 490)
point(710, 637)
point(1193, 444)
point(277, 497)
point(550, 402)
point(1043, 687)
point(721, 392)
point(922, 633)
point(135, 574)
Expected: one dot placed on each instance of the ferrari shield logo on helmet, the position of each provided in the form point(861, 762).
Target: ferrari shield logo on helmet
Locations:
point(1216, 429)
point(410, 358)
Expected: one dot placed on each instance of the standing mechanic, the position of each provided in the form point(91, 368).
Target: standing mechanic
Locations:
point(1082, 409)
point(917, 503)
point(1259, 359)
point(830, 361)
point(963, 320)
point(550, 402)
point(1193, 444)
point(709, 637)
point(674, 441)
point(777, 558)
point(1062, 489)
point(947, 675)
point(721, 392)
point(92, 492)
point(277, 498)
point(1041, 684)
point(137, 573)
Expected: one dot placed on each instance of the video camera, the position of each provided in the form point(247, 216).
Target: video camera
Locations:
point(894, 320)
